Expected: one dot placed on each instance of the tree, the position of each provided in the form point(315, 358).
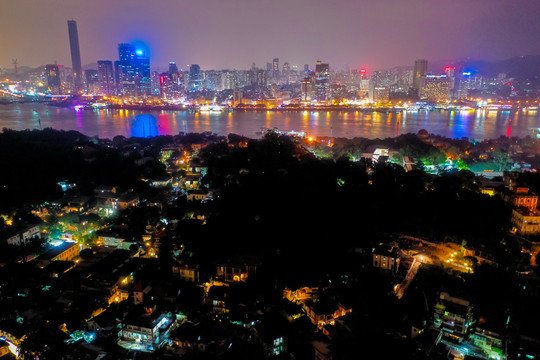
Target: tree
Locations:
point(502, 160)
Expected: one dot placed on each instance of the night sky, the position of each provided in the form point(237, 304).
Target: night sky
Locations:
point(219, 34)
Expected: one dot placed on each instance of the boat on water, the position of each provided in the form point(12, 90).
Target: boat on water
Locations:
point(212, 108)
point(93, 106)
point(98, 105)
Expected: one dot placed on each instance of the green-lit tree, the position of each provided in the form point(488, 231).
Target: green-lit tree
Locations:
point(502, 160)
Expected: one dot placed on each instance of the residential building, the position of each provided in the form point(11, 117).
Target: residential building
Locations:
point(186, 270)
point(197, 195)
point(490, 341)
point(92, 85)
point(18, 236)
point(386, 257)
point(521, 197)
point(146, 329)
point(236, 271)
point(453, 316)
point(526, 221)
point(271, 334)
point(127, 200)
point(66, 251)
point(324, 312)
point(106, 77)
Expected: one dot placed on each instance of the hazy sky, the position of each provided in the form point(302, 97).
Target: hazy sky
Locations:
point(218, 34)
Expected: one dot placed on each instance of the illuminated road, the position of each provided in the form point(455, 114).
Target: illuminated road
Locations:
point(408, 279)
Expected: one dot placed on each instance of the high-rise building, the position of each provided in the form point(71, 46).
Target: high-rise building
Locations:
point(195, 77)
point(155, 83)
point(237, 96)
point(91, 78)
point(322, 83)
point(286, 70)
point(229, 80)
point(450, 72)
point(307, 89)
point(165, 85)
point(75, 55)
point(106, 77)
point(435, 88)
point(176, 80)
point(212, 80)
point(275, 68)
point(380, 94)
point(258, 79)
point(173, 69)
point(135, 77)
point(66, 79)
point(52, 72)
point(128, 77)
point(406, 79)
point(420, 72)
point(118, 77)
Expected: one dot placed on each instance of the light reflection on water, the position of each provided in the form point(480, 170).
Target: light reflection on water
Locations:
point(106, 123)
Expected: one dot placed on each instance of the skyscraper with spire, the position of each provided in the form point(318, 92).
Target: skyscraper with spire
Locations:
point(75, 55)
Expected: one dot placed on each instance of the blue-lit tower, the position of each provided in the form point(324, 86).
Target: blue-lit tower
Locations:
point(135, 77)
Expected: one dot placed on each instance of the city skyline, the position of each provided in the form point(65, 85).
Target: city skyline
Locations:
point(233, 35)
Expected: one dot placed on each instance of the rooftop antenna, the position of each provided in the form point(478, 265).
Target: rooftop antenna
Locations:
point(15, 65)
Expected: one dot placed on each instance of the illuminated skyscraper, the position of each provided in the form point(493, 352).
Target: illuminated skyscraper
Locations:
point(91, 78)
point(380, 94)
point(435, 88)
point(275, 68)
point(118, 77)
point(420, 72)
point(173, 69)
point(75, 55)
point(135, 64)
point(307, 89)
point(322, 81)
point(165, 85)
point(106, 77)
point(450, 72)
point(195, 78)
point(259, 79)
point(176, 80)
point(52, 72)
point(128, 76)
point(286, 70)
